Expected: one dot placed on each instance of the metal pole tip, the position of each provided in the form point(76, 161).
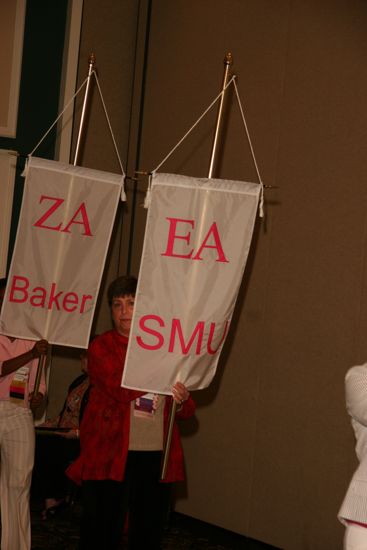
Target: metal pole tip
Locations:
point(228, 60)
point(91, 59)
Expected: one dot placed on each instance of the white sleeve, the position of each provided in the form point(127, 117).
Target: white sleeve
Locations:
point(356, 393)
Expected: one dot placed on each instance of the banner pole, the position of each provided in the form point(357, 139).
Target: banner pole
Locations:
point(167, 443)
point(91, 63)
point(40, 367)
point(228, 61)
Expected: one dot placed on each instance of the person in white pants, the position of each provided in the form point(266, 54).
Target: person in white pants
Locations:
point(18, 369)
point(353, 512)
point(355, 537)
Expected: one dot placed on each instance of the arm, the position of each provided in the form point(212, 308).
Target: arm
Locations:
point(356, 393)
point(188, 409)
point(13, 364)
point(36, 399)
point(185, 404)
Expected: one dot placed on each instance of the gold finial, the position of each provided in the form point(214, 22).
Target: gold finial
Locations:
point(92, 59)
point(228, 60)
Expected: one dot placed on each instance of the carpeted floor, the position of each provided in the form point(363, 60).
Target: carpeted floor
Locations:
point(182, 533)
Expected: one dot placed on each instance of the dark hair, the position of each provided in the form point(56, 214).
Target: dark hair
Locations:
point(122, 286)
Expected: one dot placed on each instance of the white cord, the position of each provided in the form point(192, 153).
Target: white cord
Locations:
point(105, 112)
point(193, 126)
point(261, 206)
point(233, 79)
point(109, 124)
point(60, 115)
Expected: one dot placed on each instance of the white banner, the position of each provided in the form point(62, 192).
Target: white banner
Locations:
point(197, 240)
point(64, 230)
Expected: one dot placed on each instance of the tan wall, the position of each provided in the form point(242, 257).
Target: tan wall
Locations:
point(271, 451)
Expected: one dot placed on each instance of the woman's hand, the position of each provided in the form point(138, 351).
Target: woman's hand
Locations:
point(180, 393)
point(35, 400)
point(40, 348)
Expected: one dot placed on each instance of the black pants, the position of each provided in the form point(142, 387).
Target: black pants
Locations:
point(53, 455)
point(105, 504)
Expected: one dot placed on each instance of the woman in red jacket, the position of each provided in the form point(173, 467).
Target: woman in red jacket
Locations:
point(121, 436)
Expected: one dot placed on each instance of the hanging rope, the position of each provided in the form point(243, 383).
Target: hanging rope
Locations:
point(58, 118)
point(193, 126)
point(109, 123)
point(261, 206)
point(123, 196)
point(233, 79)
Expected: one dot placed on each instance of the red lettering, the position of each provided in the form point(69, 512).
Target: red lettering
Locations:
point(177, 334)
point(152, 332)
point(82, 211)
point(38, 300)
point(55, 206)
point(70, 301)
point(218, 245)
point(213, 233)
point(54, 298)
point(176, 327)
point(39, 296)
point(20, 289)
point(85, 297)
point(210, 338)
point(172, 236)
point(84, 221)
